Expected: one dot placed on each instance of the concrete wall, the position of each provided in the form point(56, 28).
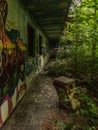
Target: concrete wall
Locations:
point(17, 69)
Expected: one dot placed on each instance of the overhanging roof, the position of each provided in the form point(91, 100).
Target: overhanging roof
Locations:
point(49, 14)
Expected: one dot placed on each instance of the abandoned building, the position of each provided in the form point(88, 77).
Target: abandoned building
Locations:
point(28, 28)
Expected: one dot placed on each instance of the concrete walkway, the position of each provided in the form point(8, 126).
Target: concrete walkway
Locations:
point(37, 104)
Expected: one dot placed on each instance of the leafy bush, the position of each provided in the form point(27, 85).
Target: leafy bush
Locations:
point(88, 109)
point(59, 68)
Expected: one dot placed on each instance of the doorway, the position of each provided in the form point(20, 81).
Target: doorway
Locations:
point(31, 41)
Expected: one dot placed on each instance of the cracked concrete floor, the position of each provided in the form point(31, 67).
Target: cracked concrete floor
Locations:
point(38, 102)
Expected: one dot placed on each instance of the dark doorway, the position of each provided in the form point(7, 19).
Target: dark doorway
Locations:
point(40, 44)
point(31, 41)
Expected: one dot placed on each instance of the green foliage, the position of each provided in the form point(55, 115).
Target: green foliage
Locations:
point(87, 109)
point(59, 67)
point(88, 105)
point(72, 126)
point(66, 126)
point(82, 32)
point(79, 40)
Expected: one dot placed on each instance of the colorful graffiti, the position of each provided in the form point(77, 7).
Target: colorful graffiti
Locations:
point(12, 66)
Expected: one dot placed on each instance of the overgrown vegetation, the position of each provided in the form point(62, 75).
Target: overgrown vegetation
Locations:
point(88, 110)
point(79, 52)
point(79, 59)
point(82, 32)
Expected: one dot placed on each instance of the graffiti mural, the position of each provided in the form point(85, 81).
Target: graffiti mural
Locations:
point(12, 66)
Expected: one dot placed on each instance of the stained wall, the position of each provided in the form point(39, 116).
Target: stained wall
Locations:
point(18, 69)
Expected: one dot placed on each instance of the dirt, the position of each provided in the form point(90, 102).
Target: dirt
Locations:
point(40, 109)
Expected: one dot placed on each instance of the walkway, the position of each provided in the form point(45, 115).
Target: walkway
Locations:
point(37, 104)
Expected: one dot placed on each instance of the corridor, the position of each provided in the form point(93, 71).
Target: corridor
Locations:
point(38, 103)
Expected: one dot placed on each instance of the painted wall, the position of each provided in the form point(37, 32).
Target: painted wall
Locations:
point(17, 70)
